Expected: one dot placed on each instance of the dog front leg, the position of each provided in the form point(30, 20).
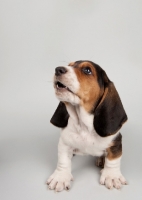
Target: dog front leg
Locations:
point(111, 175)
point(62, 176)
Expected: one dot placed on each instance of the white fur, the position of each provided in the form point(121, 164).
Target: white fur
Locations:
point(80, 133)
point(70, 80)
point(111, 175)
point(62, 176)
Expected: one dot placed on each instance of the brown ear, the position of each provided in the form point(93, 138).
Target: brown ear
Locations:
point(109, 115)
point(60, 117)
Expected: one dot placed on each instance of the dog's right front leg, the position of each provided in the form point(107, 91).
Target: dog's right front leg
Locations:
point(62, 176)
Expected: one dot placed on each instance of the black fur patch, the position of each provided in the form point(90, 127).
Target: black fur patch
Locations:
point(60, 117)
point(109, 115)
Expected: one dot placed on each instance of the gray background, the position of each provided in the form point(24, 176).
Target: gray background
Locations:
point(35, 37)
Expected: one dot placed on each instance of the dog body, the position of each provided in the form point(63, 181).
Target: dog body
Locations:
point(90, 114)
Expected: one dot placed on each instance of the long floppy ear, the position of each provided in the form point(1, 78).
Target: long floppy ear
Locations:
point(109, 115)
point(60, 117)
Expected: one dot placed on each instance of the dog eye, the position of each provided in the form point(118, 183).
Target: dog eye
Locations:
point(87, 70)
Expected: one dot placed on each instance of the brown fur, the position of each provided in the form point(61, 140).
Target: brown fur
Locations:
point(71, 64)
point(115, 150)
point(89, 91)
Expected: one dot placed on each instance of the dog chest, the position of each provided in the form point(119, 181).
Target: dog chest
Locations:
point(86, 141)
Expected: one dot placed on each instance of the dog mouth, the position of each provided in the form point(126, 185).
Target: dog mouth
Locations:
point(60, 86)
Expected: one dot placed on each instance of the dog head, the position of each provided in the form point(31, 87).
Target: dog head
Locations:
point(86, 84)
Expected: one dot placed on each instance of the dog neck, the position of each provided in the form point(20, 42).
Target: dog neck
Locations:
point(80, 116)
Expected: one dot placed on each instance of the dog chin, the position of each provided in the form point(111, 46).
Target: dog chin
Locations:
point(67, 96)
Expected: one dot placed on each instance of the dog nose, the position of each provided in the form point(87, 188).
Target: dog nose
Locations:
point(60, 70)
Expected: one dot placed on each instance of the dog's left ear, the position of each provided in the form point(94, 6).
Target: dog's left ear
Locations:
point(109, 115)
point(60, 117)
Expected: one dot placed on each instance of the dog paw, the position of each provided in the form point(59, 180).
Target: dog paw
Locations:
point(112, 178)
point(59, 181)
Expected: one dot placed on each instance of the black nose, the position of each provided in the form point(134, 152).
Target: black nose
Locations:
point(60, 70)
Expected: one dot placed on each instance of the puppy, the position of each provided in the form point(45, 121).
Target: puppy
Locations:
point(90, 114)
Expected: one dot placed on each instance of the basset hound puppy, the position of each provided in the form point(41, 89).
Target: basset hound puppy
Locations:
point(90, 115)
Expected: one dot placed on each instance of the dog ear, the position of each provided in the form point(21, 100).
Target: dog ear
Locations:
point(60, 117)
point(109, 115)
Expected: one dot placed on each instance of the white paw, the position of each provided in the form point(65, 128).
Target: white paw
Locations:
point(60, 180)
point(112, 178)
